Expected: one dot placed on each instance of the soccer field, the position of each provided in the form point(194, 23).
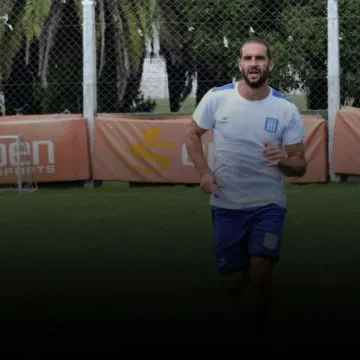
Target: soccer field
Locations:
point(118, 263)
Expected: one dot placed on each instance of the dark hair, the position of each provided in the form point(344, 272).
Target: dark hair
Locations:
point(257, 41)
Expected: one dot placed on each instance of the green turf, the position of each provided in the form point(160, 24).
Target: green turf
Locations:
point(113, 251)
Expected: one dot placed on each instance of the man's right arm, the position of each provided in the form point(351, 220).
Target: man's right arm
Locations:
point(203, 120)
point(194, 147)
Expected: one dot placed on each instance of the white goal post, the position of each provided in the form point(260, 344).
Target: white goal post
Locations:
point(17, 172)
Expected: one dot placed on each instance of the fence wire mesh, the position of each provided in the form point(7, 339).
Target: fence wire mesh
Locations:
point(200, 40)
point(163, 55)
point(349, 44)
point(41, 56)
point(195, 44)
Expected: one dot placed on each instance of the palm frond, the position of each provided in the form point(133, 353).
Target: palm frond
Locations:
point(138, 17)
point(6, 7)
point(10, 40)
point(35, 15)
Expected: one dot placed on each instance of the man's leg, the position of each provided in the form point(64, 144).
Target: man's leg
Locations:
point(261, 275)
point(234, 284)
point(231, 248)
point(264, 250)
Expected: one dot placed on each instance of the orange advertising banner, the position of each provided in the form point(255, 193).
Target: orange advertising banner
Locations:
point(53, 147)
point(315, 151)
point(120, 116)
point(142, 151)
point(153, 150)
point(346, 145)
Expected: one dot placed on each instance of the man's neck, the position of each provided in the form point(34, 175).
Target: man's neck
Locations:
point(253, 94)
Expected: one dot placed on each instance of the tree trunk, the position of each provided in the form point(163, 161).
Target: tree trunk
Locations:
point(318, 86)
point(176, 73)
point(132, 88)
point(209, 75)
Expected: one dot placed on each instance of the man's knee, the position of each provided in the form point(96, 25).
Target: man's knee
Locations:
point(234, 284)
point(232, 291)
point(261, 270)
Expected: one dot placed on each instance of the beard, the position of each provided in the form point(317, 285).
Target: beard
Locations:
point(254, 84)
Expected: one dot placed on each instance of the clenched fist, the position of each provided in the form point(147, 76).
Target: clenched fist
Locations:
point(209, 183)
point(273, 154)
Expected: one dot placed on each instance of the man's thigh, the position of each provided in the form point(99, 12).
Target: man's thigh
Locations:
point(231, 240)
point(266, 232)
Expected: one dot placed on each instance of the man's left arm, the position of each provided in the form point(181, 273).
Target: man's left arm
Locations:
point(291, 162)
point(294, 164)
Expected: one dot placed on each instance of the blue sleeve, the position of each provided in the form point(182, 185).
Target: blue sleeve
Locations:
point(203, 114)
point(294, 132)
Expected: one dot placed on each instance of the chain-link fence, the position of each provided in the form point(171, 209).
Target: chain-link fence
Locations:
point(349, 29)
point(200, 41)
point(41, 56)
point(163, 55)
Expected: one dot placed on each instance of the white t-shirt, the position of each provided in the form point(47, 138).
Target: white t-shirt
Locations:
point(240, 129)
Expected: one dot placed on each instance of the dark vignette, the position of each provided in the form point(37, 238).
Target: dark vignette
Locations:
point(101, 316)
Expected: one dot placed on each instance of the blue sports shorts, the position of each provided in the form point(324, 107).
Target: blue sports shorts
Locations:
point(240, 234)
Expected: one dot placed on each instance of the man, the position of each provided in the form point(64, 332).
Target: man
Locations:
point(258, 138)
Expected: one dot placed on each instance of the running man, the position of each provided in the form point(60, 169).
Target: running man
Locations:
point(258, 139)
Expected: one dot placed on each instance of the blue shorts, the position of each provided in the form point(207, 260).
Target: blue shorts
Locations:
point(240, 234)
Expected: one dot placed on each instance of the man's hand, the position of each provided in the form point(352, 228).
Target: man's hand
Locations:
point(209, 183)
point(291, 163)
point(273, 154)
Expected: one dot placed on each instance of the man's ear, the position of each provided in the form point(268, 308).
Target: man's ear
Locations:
point(239, 65)
point(271, 65)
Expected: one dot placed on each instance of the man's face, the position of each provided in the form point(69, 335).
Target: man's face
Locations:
point(255, 65)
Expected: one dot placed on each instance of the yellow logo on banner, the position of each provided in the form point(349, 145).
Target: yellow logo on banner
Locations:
point(143, 151)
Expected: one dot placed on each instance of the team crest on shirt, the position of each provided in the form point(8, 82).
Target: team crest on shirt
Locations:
point(271, 124)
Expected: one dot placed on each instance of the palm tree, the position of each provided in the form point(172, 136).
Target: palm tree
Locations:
point(125, 27)
point(42, 64)
point(177, 47)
